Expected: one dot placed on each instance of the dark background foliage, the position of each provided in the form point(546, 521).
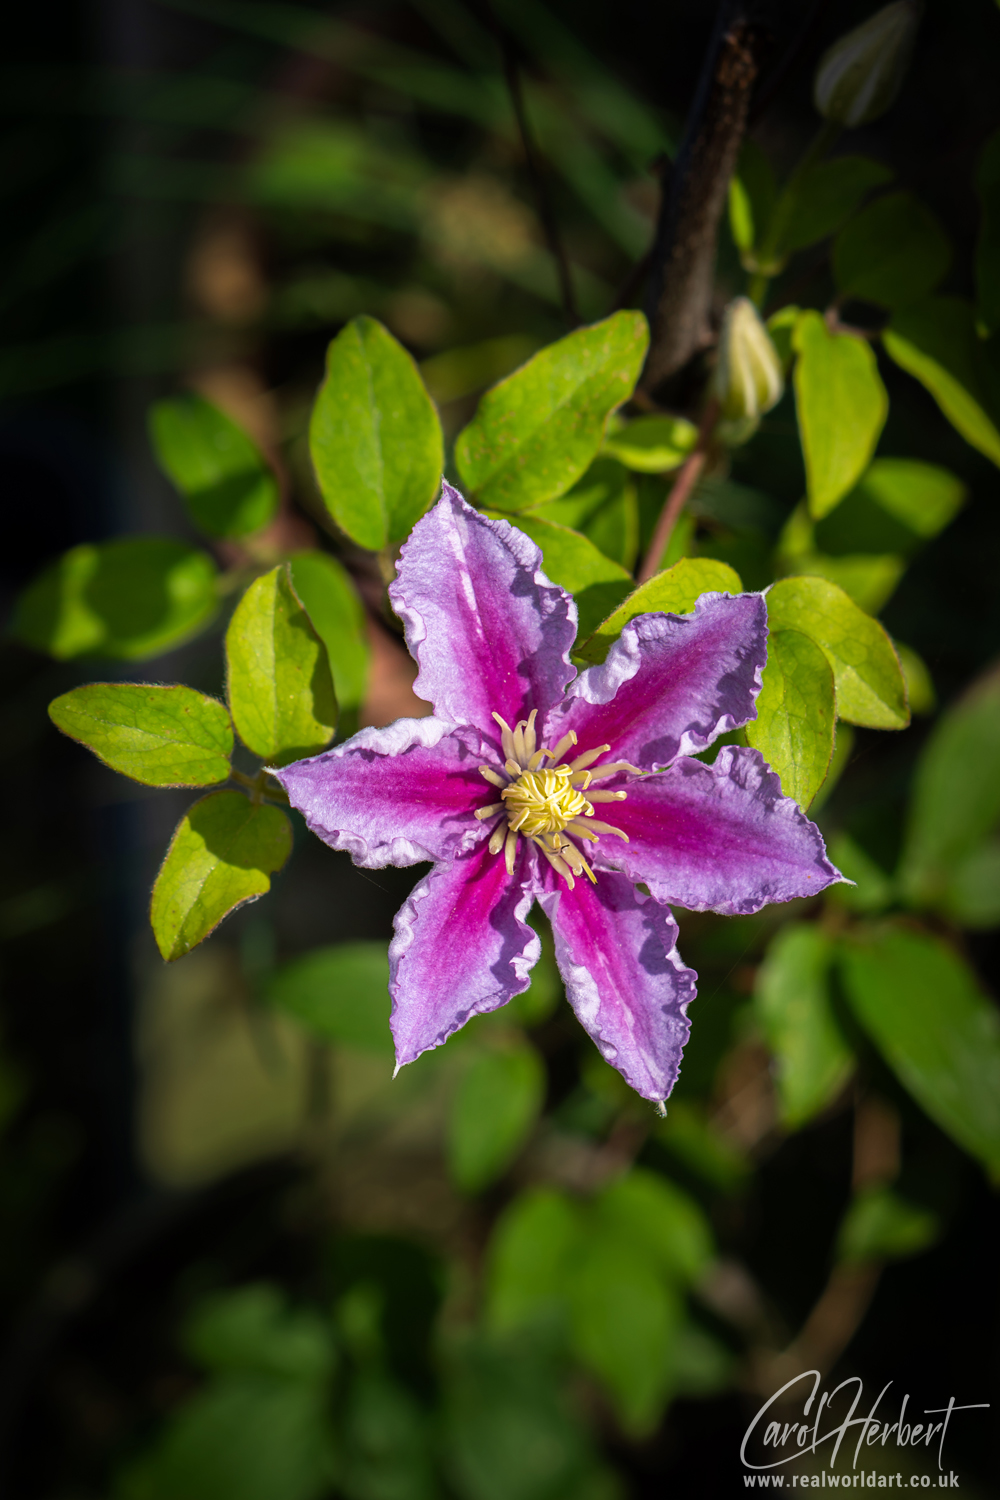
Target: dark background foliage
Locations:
point(112, 168)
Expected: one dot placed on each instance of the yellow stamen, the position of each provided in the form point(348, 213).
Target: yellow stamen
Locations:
point(506, 737)
point(509, 850)
point(549, 806)
point(588, 757)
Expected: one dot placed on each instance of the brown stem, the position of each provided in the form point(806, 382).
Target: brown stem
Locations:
point(687, 477)
point(684, 250)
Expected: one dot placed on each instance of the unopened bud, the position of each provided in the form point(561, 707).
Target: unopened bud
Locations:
point(860, 75)
point(748, 380)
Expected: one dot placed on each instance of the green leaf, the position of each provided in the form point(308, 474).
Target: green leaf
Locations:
point(870, 580)
point(252, 1329)
point(531, 1253)
point(988, 247)
point(652, 444)
point(796, 714)
point(386, 1436)
point(956, 796)
point(614, 530)
point(781, 327)
point(338, 618)
point(841, 405)
point(624, 1320)
point(936, 343)
point(536, 432)
point(375, 437)
point(132, 598)
point(872, 890)
point(972, 895)
point(340, 992)
point(245, 1437)
point(752, 196)
point(823, 197)
point(700, 1145)
point(923, 1008)
point(459, 372)
point(493, 1113)
point(674, 591)
point(649, 1212)
point(278, 676)
point(229, 489)
point(919, 682)
point(572, 560)
point(924, 497)
point(895, 252)
point(603, 482)
point(792, 1003)
point(869, 681)
point(222, 853)
point(880, 1225)
point(161, 736)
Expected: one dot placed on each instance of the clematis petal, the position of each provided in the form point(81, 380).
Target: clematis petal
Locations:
point(462, 947)
point(672, 683)
point(487, 628)
point(394, 796)
point(717, 838)
point(626, 981)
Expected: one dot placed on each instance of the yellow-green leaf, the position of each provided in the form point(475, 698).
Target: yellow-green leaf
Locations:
point(161, 736)
point(936, 343)
point(536, 432)
point(871, 689)
point(842, 406)
point(796, 714)
point(222, 854)
point(674, 591)
point(278, 674)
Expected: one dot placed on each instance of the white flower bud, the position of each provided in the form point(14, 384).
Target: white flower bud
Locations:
point(748, 379)
point(860, 75)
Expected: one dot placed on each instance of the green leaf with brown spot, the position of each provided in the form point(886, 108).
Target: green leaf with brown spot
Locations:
point(222, 854)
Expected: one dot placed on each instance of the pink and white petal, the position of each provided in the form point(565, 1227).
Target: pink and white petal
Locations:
point(672, 683)
point(394, 796)
point(717, 838)
point(626, 981)
point(489, 631)
point(462, 947)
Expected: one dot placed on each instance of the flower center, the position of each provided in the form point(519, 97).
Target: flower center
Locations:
point(547, 803)
point(543, 801)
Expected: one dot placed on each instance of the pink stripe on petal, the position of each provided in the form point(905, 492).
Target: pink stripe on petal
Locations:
point(672, 683)
point(717, 838)
point(462, 947)
point(626, 981)
point(488, 629)
point(394, 796)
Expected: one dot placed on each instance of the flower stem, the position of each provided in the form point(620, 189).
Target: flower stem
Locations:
point(687, 477)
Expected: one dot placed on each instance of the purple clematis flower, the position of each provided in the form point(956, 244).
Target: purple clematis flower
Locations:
point(502, 786)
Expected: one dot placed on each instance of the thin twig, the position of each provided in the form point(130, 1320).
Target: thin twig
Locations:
point(533, 162)
point(687, 477)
